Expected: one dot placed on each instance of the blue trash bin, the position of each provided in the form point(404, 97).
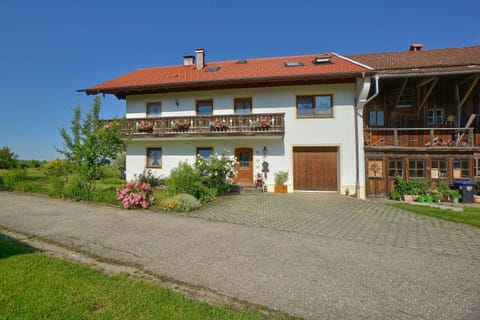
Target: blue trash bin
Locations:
point(466, 188)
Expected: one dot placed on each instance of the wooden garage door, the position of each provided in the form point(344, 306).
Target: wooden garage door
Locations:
point(315, 168)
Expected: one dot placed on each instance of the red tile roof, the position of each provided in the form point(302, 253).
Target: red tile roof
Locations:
point(466, 59)
point(255, 72)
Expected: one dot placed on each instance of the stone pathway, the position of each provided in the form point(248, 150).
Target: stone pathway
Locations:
point(338, 217)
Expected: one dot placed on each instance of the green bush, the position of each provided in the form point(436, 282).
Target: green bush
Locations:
point(395, 195)
point(28, 186)
point(12, 177)
point(147, 176)
point(56, 168)
point(113, 181)
point(415, 186)
point(55, 186)
point(185, 179)
point(76, 188)
point(180, 203)
point(216, 172)
point(107, 195)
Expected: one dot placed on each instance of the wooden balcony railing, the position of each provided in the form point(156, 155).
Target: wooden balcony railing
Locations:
point(268, 124)
point(420, 137)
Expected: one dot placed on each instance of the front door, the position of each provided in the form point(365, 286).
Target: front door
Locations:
point(244, 166)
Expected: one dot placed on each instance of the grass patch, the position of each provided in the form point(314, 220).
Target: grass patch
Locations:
point(470, 215)
point(37, 286)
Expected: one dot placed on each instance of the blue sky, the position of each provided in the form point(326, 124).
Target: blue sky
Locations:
point(51, 48)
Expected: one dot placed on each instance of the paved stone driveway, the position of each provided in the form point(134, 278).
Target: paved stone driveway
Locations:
point(338, 217)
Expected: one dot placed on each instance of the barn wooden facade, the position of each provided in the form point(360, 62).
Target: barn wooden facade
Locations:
point(425, 118)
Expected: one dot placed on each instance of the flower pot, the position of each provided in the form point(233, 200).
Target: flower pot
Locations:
point(454, 200)
point(408, 198)
point(476, 198)
point(280, 189)
point(421, 199)
point(428, 199)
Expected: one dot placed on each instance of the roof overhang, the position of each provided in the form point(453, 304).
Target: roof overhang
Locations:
point(122, 92)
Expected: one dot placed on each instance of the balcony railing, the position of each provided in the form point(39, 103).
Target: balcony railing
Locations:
point(420, 137)
point(268, 124)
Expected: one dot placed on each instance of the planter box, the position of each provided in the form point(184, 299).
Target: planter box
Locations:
point(280, 189)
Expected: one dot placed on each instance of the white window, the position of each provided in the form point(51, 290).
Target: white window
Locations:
point(434, 117)
point(154, 109)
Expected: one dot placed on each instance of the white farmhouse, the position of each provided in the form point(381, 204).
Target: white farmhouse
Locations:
point(301, 114)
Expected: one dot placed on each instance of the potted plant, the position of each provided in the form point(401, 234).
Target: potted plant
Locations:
point(180, 125)
point(145, 126)
point(454, 195)
point(261, 124)
point(280, 178)
point(218, 125)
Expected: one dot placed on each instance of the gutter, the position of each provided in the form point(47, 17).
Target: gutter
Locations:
point(427, 74)
point(359, 104)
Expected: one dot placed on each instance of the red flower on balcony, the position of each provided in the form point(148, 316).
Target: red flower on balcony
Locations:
point(180, 124)
point(145, 126)
point(219, 125)
point(261, 124)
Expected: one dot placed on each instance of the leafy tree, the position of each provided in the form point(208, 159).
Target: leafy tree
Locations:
point(8, 159)
point(91, 144)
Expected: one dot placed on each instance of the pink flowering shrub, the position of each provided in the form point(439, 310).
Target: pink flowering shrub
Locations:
point(136, 195)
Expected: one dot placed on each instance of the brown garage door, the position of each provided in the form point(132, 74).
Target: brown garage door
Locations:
point(315, 168)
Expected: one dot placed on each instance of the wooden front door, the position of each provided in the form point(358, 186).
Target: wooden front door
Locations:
point(244, 166)
point(376, 183)
point(315, 168)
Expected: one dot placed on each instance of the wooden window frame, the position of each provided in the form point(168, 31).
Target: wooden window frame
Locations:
point(203, 148)
point(150, 164)
point(201, 101)
point(314, 107)
point(416, 169)
point(148, 105)
point(404, 97)
point(462, 176)
point(476, 167)
point(249, 99)
point(401, 170)
point(435, 164)
point(376, 118)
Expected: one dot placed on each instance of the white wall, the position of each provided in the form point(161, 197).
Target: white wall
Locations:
point(338, 131)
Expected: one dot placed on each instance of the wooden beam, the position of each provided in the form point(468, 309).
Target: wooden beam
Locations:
point(427, 95)
point(469, 91)
point(424, 82)
point(401, 91)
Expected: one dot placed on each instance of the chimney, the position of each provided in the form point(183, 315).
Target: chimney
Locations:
point(188, 60)
point(416, 46)
point(200, 58)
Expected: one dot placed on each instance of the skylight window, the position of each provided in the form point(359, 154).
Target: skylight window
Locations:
point(212, 69)
point(293, 64)
point(322, 60)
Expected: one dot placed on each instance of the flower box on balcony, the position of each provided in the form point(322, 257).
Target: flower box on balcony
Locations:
point(260, 125)
point(145, 126)
point(180, 125)
point(218, 125)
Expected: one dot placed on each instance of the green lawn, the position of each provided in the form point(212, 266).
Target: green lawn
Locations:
point(37, 286)
point(470, 215)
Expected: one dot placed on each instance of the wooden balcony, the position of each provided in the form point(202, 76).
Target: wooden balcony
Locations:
point(266, 125)
point(420, 138)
